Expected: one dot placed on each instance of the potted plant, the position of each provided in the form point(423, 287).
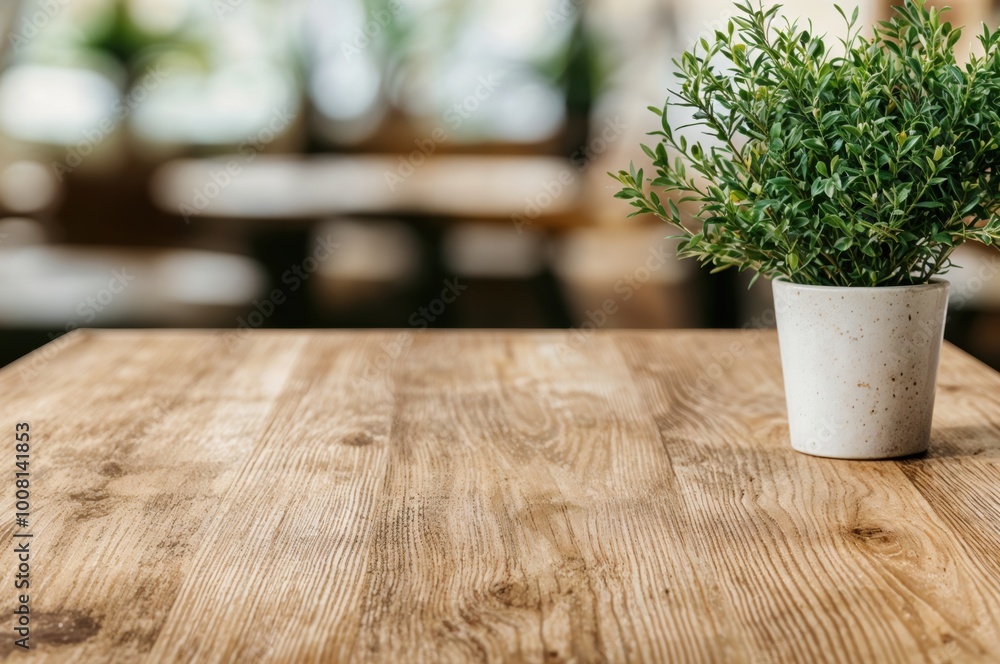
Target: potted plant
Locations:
point(847, 173)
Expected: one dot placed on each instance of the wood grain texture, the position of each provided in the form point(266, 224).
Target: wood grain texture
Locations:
point(486, 496)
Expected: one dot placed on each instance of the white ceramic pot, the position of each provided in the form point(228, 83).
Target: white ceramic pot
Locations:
point(860, 366)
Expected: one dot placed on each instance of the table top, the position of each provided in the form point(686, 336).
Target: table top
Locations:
point(542, 191)
point(464, 496)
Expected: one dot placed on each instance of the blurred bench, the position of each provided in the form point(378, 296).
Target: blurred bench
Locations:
point(281, 202)
point(280, 189)
point(49, 287)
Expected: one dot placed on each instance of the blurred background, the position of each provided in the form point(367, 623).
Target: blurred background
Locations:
point(360, 163)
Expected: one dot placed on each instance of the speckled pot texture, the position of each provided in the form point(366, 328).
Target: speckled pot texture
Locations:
point(860, 366)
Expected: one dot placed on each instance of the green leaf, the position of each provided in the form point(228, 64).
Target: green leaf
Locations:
point(817, 186)
point(674, 212)
point(837, 222)
point(843, 244)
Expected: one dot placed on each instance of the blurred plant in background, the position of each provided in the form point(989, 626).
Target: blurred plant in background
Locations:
point(370, 70)
point(218, 79)
point(385, 65)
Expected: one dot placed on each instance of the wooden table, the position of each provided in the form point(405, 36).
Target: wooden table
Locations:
point(468, 496)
